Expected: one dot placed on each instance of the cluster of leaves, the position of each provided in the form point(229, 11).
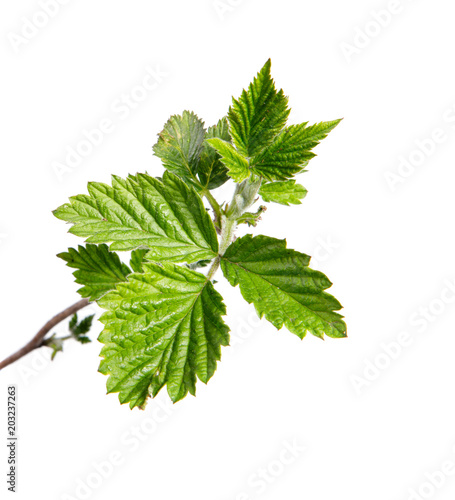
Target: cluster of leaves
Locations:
point(163, 320)
point(78, 331)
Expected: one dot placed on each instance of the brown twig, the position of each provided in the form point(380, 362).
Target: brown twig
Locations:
point(37, 340)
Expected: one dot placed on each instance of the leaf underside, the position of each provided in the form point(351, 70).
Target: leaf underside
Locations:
point(163, 321)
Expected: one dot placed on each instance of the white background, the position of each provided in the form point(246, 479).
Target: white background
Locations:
point(388, 247)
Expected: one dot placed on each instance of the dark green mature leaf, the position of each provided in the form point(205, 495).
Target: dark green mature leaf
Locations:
point(282, 287)
point(285, 192)
point(289, 153)
point(83, 339)
point(98, 269)
point(258, 115)
point(163, 326)
point(83, 326)
point(180, 145)
point(80, 329)
point(235, 163)
point(166, 216)
point(73, 322)
point(211, 171)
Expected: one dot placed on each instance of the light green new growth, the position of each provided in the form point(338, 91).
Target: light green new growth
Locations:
point(77, 331)
point(163, 320)
point(283, 192)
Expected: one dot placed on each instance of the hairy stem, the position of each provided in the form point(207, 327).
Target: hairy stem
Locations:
point(227, 235)
point(244, 196)
point(38, 339)
point(214, 268)
point(228, 228)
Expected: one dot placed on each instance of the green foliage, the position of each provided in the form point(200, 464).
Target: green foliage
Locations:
point(285, 192)
point(258, 115)
point(98, 269)
point(163, 322)
point(162, 326)
point(262, 144)
point(291, 150)
point(282, 287)
point(212, 173)
point(80, 329)
point(137, 259)
point(252, 218)
point(180, 145)
point(184, 149)
point(237, 166)
point(167, 216)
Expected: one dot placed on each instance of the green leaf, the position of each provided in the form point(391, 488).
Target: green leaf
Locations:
point(166, 216)
point(180, 145)
point(212, 172)
point(252, 218)
point(137, 259)
point(282, 287)
point(285, 192)
point(163, 326)
point(98, 269)
point(291, 150)
point(73, 322)
point(236, 164)
point(83, 339)
point(80, 329)
point(258, 115)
